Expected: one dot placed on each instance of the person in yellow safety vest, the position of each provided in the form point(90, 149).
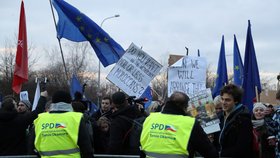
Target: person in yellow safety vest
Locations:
point(171, 133)
point(62, 132)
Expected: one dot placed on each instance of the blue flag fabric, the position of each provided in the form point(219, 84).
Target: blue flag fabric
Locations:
point(92, 108)
point(147, 94)
point(251, 72)
point(76, 26)
point(75, 86)
point(237, 65)
point(222, 77)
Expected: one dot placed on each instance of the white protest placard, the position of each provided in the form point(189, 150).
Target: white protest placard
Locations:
point(190, 77)
point(134, 71)
point(23, 95)
point(201, 107)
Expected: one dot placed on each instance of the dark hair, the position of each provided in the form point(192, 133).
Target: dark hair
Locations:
point(8, 105)
point(78, 106)
point(78, 96)
point(107, 98)
point(179, 99)
point(118, 98)
point(9, 96)
point(234, 91)
point(61, 96)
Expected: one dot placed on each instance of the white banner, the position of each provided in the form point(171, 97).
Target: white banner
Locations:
point(188, 75)
point(134, 71)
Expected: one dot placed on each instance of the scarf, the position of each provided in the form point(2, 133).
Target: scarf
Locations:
point(257, 123)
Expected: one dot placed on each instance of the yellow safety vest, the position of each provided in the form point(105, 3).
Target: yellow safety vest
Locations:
point(166, 135)
point(57, 134)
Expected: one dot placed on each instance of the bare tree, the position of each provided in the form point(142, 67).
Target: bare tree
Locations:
point(7, 62)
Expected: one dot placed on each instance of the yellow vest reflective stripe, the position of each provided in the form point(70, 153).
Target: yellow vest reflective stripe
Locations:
point(57, 134)
point(166, 134)
point(59, 152)
point(157, 155)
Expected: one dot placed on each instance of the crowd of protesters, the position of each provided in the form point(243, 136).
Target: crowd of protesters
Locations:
point(61, 125)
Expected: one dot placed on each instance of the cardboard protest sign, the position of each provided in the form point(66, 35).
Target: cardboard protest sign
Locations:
point(188, 75)
point(201, 107)
point(134, 71)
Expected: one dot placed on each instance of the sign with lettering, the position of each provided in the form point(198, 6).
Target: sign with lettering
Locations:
point(134, 71)
point(188, 75)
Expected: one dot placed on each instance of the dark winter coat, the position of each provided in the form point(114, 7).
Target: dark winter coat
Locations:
point(236, 135)
point(97, 114)
point(101, 140)
point(263, 132)
point(118, 144)
point(13, 133)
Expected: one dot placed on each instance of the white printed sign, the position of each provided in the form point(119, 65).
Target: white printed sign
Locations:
point(190, 77)
point(134, 71)
point(23, 95)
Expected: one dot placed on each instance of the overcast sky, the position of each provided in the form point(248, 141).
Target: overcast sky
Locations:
point(163, 27)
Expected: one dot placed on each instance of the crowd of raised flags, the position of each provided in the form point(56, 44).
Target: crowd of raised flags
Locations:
point(246, 76)
point(76, 26)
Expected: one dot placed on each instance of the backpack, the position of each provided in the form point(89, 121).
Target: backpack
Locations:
point(132, 136)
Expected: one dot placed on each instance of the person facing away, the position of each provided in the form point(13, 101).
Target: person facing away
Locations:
point(171, 133)
point(118, 143)
point(105, 110)
point(62, 132)
point(236, 127)
point(13, 127)
point(264, 135)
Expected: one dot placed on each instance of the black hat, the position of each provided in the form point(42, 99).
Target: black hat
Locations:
point(118, 98)
point(61, 96)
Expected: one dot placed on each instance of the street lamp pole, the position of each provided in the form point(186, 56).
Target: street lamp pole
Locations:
point(99, 64)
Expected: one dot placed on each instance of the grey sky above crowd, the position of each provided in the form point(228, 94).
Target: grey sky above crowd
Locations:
point(163, 27)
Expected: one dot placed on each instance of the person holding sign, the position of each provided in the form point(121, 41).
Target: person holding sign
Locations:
point(172, 133)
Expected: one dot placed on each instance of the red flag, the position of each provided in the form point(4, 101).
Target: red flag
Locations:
point(21, 65)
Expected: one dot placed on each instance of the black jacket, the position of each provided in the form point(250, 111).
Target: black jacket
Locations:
point(118, 144)
point(198, 141)
point(96, 115)
point(236, 137)
point(13, 130)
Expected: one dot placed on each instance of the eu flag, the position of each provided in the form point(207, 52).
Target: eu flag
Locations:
point(76, 26)
point(237, 65)
point(222, 77)
point(147, 94)
point(251, 80)
point(75, 86)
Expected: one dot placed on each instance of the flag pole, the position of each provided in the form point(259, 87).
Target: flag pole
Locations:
point(66, 73)
point(257, 94)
